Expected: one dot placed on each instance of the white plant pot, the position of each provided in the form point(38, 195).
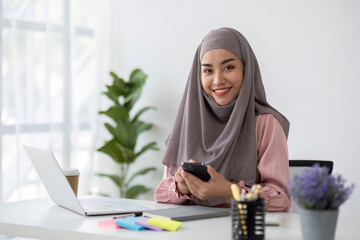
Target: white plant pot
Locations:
point(318, 224)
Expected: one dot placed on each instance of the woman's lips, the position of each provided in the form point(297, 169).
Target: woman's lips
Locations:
point(221, 91)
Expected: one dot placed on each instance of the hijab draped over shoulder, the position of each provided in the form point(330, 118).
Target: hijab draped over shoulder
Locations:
point(221, 136)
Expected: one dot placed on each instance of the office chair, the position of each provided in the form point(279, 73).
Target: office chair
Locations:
point(297, 166)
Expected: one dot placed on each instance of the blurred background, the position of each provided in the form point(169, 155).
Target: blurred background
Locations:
point(56, 56)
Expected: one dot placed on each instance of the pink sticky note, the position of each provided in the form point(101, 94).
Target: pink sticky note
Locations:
point(109, 224)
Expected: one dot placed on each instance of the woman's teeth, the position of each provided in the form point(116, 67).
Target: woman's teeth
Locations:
point(221, 90)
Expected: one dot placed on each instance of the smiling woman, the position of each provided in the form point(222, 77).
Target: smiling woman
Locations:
point(222, 75)
point(225, 122)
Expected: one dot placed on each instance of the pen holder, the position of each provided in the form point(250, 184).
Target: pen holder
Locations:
point(248, 219)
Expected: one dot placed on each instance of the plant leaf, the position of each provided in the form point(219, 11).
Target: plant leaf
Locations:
point(125, 133)
point(141, 111)
point(141, 126)
point(116, 113)
point(138, 76)
point(136, 82)
point(110, 129)
point(139, 173)
point(133, 96)
point(149, 146)
point(129, 155)
point(114, 178)
point(112, 97)
point(119, 82)
point(115, 90)
point(135, 191)
point(113, 149)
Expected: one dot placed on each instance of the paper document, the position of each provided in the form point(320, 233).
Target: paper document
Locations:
point(272, 219)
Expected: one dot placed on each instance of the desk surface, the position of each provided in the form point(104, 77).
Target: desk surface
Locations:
point(42, 219)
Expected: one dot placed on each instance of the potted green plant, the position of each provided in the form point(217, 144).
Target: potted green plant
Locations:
point(319, 196)
point(124, 130)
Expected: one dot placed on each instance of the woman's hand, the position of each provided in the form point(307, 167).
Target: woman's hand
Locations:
point(217, 186)
point(180, 182)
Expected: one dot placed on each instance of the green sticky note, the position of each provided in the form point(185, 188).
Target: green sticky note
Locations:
point(170, 225)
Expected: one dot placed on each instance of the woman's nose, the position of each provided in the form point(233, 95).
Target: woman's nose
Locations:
point(218, 78)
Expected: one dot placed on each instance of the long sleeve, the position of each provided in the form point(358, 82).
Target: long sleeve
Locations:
point(166, 191)
point(272, 167)
point(273, 164)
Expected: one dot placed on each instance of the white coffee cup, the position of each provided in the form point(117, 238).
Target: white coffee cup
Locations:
point(72, 175)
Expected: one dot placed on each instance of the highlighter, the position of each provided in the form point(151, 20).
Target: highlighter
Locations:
point(235, 191)
point(170, 225)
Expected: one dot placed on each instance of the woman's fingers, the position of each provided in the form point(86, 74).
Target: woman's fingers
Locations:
point(189, 183)
point(216, 186)
point(181, 183)
point(213, 173)
point(196, 186)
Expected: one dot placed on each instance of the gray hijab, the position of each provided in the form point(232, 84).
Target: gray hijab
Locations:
point(221, 136)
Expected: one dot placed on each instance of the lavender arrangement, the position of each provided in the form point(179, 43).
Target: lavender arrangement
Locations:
point(316, 189)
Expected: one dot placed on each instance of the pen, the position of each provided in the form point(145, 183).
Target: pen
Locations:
point(243, 194)
point(125, 215)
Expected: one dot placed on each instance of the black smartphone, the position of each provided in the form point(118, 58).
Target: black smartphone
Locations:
point(197, 169)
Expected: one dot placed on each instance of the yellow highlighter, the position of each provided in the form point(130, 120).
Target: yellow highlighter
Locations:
point(235, 191)
point(170, 225)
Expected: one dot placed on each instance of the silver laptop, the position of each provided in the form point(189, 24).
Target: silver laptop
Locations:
point(62, 194)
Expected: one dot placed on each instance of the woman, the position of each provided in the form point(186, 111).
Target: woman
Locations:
point(225, 122)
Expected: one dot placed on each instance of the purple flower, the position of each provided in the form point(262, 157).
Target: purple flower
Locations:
point(316, 189)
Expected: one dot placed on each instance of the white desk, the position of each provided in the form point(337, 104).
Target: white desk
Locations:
point(41, 219)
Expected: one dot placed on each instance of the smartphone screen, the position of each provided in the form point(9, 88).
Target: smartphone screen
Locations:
point(197, 169)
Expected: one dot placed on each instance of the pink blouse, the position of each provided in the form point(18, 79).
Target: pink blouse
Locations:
point(272, 167)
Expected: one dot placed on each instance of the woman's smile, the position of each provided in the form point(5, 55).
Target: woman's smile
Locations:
point(221, 91)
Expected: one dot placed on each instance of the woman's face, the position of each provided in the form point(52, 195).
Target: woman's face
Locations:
point(222, 75)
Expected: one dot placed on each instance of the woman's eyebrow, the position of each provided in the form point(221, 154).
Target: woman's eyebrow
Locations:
point(227, 60)
point(222, 63)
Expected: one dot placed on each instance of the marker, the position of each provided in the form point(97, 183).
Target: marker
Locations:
point(235, 191)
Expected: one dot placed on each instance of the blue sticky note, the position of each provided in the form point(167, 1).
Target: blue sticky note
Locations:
point(143, 222)
point(129, 223)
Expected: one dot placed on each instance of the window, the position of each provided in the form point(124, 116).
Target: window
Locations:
point(49, 86)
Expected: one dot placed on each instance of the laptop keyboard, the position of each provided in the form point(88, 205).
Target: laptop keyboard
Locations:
point(90, 205)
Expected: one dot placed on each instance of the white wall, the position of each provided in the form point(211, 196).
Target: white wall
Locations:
point(308, 53)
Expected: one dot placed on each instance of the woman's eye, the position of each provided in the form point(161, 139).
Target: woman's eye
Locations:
point(207, 70)
point(228, 68)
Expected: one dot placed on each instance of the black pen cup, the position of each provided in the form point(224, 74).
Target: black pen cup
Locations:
point(248, 219)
